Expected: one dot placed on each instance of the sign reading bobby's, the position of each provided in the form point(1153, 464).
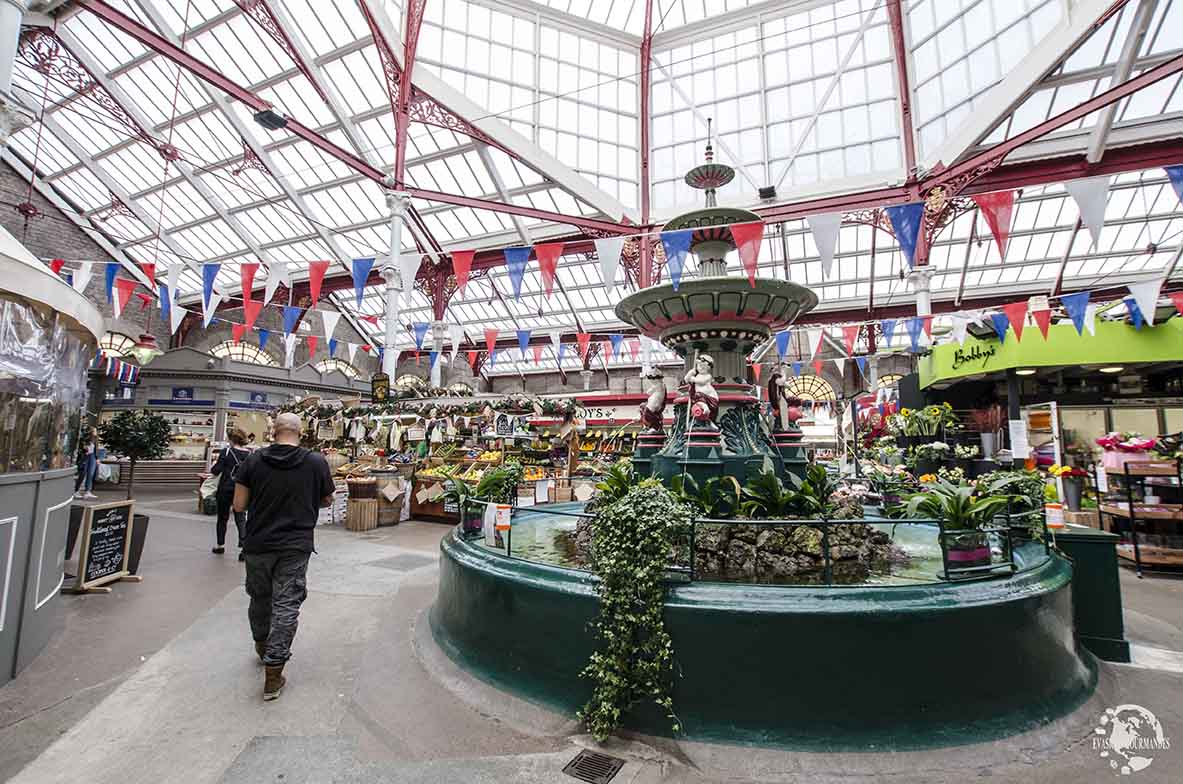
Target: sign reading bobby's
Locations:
point(962, 357)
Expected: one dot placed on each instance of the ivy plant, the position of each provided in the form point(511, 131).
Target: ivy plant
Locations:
point(631, 543)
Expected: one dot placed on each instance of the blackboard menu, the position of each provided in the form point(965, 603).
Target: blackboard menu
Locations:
point(504, 425)
point(105, 540)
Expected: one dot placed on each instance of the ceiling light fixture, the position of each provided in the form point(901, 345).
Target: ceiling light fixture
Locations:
point(146, 349)
point(1025, 372)
point(1112, 369)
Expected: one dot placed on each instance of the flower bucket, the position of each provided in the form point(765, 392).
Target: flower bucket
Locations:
point(1073, 489)
point(988, 441)
point(967, 550)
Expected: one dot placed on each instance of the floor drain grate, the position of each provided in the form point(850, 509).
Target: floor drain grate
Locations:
point(593, 767)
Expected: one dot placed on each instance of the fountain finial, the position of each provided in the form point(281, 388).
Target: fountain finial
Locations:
point(710, 176)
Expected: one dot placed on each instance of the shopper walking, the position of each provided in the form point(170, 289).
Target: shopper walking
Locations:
point(88, 464)
point(224, 468)
point(281, 487)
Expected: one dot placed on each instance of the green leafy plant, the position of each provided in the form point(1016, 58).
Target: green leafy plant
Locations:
point(1024, 489)
point(956, 505)
point(500, 485)
point(631, 542)
point(815, 491)
point(136, 435)
point(717, 498)
point(766, 496)
point(616, 482)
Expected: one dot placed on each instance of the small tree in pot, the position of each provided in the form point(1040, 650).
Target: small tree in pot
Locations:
point(136, 435)
point(962, 512)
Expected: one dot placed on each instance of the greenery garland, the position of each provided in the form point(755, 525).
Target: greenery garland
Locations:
point(632, 539)
point(514, 404)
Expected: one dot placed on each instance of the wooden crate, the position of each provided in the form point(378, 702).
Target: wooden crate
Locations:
point(361, 514)
point(1089, 517)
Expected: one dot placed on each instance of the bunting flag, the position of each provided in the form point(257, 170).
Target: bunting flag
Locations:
point(862, 365)
point(562, 351)
point(825, 229)
point(927, 327)
point(149, 268)
point(1043, 320)
point(1177, 298)
point(164, 300)
point(316, 276)
point(548, 262)
point(492, 357)
point(111, 269)
point(840, 363)
point(616, 340)
point(311, 341)
point(748, 237)
point(251, 311)
point(82, 276)
point(420, 330)
point(408, 270)
point(472, 358)
point(361, 273)
point(906, 220)
point(176, 315)
point(351, 351)
point(329, 319)
point(432, 358)
point(1175, 175)
point(606, 348)
point(277, 272)
point(289, 350)
point(634, 345)
point(209, 274)
point(1136, 317)
point(247, 273)
point(209, 309)
point(174, 277)
point(756, 371)
point(814, 339)
point(123, 289)
point(782, 342)
point(997, 209)
point(523, 340)
point(1090, 318)
point(516, 260)
point(796, 368)
point(144, 299)
point(960, 328)
point(537, 353)
point(491, 340)
point(1000, 322)
point(1075, 306)
point(676, 245)
point(915, 327)
point(263, 335)
point(332, 346)
point(817, 367)
point(455, 337)
point(608, 250)
point(371, 319)
point(291, 315)
point(56, 265)
point(556, 339)
point(1146, 295)
point(1091, 195)
point(1016, 314)
point(584, 340)
point(461, 265)
point(888, 327)
point(236, 331)
point(850, 336)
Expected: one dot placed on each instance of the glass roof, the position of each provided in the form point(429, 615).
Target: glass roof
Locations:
point(799, 95)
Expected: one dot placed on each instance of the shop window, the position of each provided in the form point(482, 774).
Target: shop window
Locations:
point(242, 352)
point(332, 363)
point(810, 388)
point(116, 345)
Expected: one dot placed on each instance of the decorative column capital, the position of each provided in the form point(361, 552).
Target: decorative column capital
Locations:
point(921, 277)
point(13, 116)
point(398, 202)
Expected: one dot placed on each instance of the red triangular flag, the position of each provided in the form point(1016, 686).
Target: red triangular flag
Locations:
point(537, 353)
point(1016, 313)
point(311, 341)
point(56, 265)
point(316, 275)
point(817, 366)
point(250, 310)
point(748, 237)
point(928, 326)
point(366, 348)
point(248, 279)
point(143, 298)
point(416, 359)
point(997, 208)
point(237, 330)
point(461, 264)
point(756, 371)
point(472, 355)
point(849, 336)
point(1043, 319)
point(584, 342)
point(124, 287)
point(634, 346)
point(1177, 298)
point(149, 268)
point(548, 261)
point(491, 339)
point(372, 319)
point(606, 346)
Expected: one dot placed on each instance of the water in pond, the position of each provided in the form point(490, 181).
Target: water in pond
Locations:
point(549, 538)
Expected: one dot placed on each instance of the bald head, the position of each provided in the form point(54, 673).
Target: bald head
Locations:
point(286, 429)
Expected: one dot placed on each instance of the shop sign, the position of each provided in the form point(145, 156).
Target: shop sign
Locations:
point(504, 425)
point(961, 357)
point(379, 387)
point(182, 394)
point(258, 397)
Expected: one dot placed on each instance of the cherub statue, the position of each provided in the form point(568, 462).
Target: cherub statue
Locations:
point(653, 408)
point(704, 400)
point(788, 407)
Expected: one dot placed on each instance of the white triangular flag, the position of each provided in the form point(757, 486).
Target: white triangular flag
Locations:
point(1146, 295)
point(814, 335)
point(825, 230)
point(174, 277)
point(1090, 195)
point(556, 339)
point(456, 336)
point(841, 363)
point(208, 309)
point(289, 349)
point(175, 315)
point(277, 272)
point(1090, 317)
point(609, 249)
point(82, 276)
point(390, 358)
point(408, 268)
point(960, 328)
point(351, 348)
point(329, 318)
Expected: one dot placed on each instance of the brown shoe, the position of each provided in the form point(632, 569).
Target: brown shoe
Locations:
point(273, 684)
point(261, 649)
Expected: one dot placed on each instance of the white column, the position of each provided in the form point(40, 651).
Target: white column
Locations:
point(12, 117)
point(397, 202)
point(921, 280)
point(439, 331)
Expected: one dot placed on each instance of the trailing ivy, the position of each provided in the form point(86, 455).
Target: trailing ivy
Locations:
point(632, 539)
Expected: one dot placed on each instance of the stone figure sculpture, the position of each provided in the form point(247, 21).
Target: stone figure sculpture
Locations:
point(704, 400)
point(653, 408)
point(788, 407)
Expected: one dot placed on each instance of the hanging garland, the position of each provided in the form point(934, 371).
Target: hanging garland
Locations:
point(513, 404)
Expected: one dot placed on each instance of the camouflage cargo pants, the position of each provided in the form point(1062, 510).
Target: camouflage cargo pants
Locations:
point(277, 584)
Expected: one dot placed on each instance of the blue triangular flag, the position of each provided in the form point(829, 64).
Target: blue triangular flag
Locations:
point(1175, 175)
point(1135, 312)
point(291, 314)
point(361, 273)
point(165, 301)
point(381, 355)
point(796, 368)
point(420, 329)
point(782, 342)
point(332, 346)
point(915, 327)
point(523, 340)
point(562, 350)
point(676, 245)
point(1075, 305)
point(1001, 322)
point(433, 357)
point(862, 364)
point(112, 269)
point(515, 262)
point(209, 273)
point(263, 335)
point(616, 341)
point(905, 221)
point(888, 327)
point(492, 357)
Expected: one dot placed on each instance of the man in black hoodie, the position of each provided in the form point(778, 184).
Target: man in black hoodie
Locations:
point(283, 487)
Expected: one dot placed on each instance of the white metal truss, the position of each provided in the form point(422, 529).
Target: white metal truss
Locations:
point(1121, 72)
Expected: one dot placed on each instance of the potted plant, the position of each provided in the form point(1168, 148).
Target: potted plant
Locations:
point(929, 457)
point(965, 456)
point(1072, 480)
point(136, 435)
point(963, 513)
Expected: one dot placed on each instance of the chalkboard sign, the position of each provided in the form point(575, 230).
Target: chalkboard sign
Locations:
point(504, 425)
point(106, 539)
point(451, 506)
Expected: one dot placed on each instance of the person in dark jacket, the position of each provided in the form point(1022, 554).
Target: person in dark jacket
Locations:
point(282, 487)
point(228, 462)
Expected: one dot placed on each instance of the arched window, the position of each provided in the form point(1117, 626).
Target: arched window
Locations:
point(329, 364)
point(810, 388)
point(889, 381)
point(116, 345)
point(242, 352)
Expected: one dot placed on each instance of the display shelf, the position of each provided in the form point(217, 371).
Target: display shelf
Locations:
point(1146, 511)
point(1147, 468)
point(1151, 555)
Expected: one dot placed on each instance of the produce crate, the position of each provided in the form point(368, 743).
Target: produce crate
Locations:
point(361, 514)
point(1089, 517)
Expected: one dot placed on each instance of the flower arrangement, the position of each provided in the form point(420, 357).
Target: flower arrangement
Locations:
point(927, 478)
point(1066, 472)
point(966, 451)
point(934, 450)
point(925, 421)
point(1126, 442)
point(956, 475)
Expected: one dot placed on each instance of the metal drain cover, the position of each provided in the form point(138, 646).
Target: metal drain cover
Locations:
point(593, 767)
